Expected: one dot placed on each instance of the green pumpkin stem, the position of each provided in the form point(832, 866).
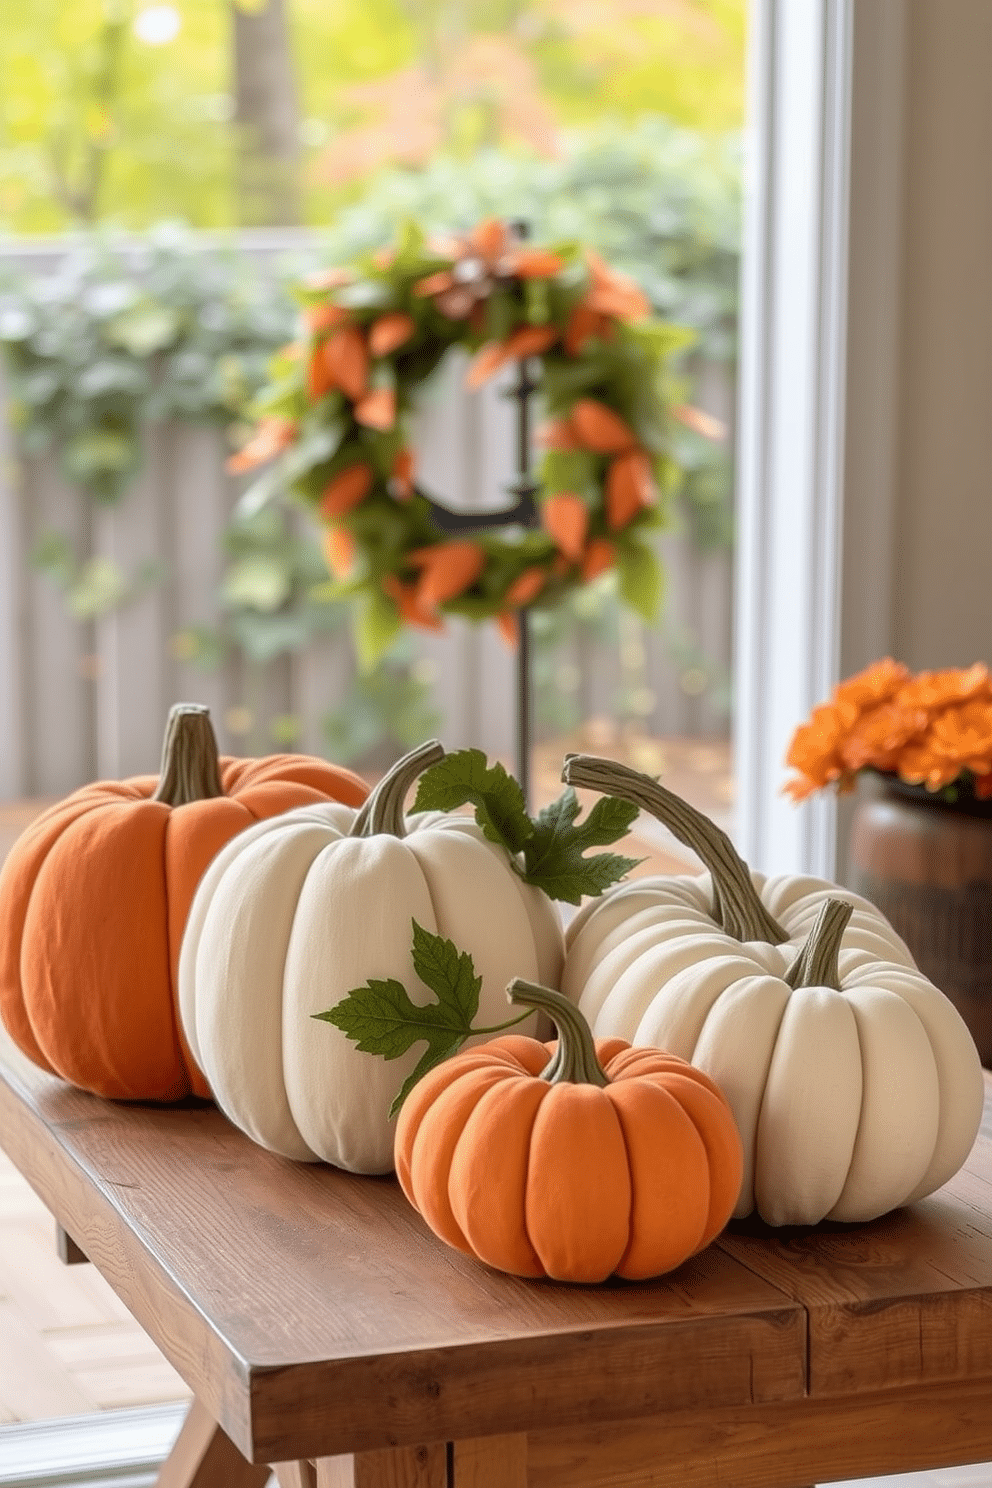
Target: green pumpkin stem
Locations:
point(383, 813)
point(190, 769)
point(818, 962)
point(737, 906)
point(574, 1061)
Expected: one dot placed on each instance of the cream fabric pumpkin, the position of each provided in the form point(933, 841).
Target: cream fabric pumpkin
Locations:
point(296, 912)
point(854, 1092)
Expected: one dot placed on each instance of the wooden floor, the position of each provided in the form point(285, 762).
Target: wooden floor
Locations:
point(67, 1345)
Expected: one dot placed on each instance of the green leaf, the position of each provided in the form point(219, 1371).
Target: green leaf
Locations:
point(377, 624)
point(464, 778)
point(380, 1017)
point(98, 452)
point(54, 554)
point(554, 855)
point(260, 581)
point(100, 585)
point(640, 578)
point(144, 328)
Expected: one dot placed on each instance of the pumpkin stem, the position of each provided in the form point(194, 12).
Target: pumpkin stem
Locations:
point(383, 811)
point(574, 1060)
point(737, 906)
point(190, 769)
point(818, 963)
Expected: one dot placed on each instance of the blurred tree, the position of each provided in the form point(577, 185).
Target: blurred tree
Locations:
point(77, 160)
point(479, 74)
point(128, 111)
point(266, 113)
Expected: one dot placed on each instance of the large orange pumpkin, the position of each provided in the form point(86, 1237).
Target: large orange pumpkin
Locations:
point(94, 898)
point(572, 1160)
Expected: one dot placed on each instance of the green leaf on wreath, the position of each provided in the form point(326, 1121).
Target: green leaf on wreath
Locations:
point(640, 578)
point(377, 624)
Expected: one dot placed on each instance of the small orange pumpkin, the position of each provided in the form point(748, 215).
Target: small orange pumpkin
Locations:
point(94, 898)
point(571, 1160)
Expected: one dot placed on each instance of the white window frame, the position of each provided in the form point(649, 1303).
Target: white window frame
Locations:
point(818, 392)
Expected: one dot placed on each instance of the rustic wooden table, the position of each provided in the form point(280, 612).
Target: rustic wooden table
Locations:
point(325, 1329)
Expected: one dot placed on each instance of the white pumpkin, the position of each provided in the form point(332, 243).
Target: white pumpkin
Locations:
point(295, 913)
point(854, 1092)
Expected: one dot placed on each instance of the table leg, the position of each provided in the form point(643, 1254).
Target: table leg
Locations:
point(69, 1252)
point(205, 1457)
point(481, 1462)
point(296, 1475)
point(490, 1462)
point(396, 1467)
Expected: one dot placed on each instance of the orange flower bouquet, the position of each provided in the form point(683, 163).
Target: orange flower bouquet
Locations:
point(932, 730)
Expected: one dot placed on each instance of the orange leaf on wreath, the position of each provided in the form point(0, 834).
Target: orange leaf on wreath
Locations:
point(629, 488)
point(585, 323)
point(599, 556)
point(529, 341)
point(347, 359)
point(448, 569)
point(390, 331)
point(324, 317)
point(487, 360)
point(566, 521)
point(401, 478)
point(526, 587)
point(613, 293)
point(558, 434)
point(377, 410)
point(271, 436)
point(320, 378)
point(489, 238)
point(339, 551)
point(700, 422)
point(433, 284)
point(346, 490)
point(407, 601)
point(601, 429)
point(508, 626)
point(537, 263)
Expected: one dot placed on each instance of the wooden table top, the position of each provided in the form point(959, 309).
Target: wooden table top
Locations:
point(313, 1313)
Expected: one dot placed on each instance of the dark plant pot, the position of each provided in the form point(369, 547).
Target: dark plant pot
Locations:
point(927, 865)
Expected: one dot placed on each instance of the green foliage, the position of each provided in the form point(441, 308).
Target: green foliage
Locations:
point(554, 857)
point(126, 331)
point(389, 78)
point(466, 778)
point(123, 334)
point(380, 1017)
point(88, 110)
point(388, 708)
point(91, 586)
point(552, 847)
point(659, 202)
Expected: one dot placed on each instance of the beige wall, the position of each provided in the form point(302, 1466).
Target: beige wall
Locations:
point(918, 504)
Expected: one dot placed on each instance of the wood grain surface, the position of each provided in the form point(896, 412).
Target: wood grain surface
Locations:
point(901, 1301)
point(315, 1317)
point(313, 1313)
point(773, 1446)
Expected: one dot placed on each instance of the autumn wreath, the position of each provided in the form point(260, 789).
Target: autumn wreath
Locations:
point(333, 425)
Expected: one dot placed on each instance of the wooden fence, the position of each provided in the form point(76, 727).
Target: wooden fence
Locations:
point(81, 700)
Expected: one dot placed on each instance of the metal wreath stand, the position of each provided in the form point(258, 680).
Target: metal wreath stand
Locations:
point(522, 514)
